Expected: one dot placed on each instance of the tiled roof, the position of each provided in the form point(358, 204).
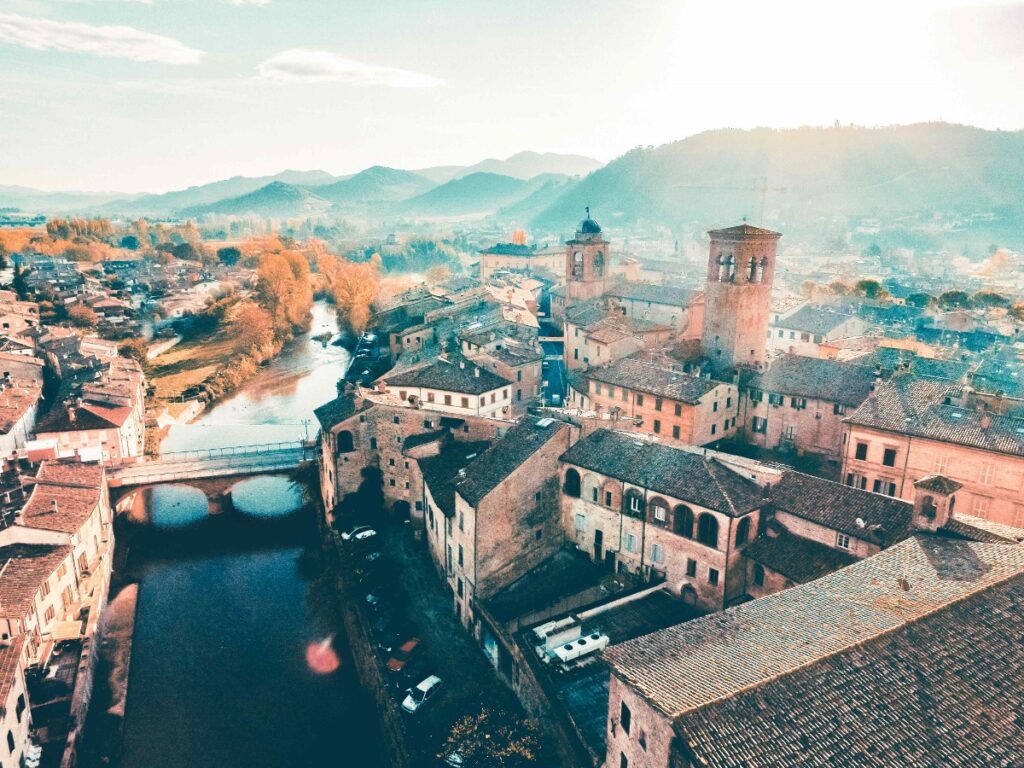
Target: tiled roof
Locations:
point(449, 377)
point(684, 475)
point(923, 668)
point(1004, 532)
point(831, 380)
point(914, 406)
point(938, 484)
point(64, 496)
point(441, 472)
point(332, 413)
point(806, 627)
point(23, 568)
point(70, 474)
point(614, 328)
point(510, 249)
point(815, 320)
point(653, 379)
point(585, 313)
point(891, 360)
point(744, 230)
point(672, 295)
point(795, 557)
point(838, 507)
point(495, 464)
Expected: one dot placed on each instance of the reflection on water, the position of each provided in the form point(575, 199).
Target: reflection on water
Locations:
point(266, 496)
point(175, 506)
point(273, 405)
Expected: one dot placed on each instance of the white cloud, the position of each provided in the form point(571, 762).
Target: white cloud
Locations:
point(303, 65)
point(115, 41)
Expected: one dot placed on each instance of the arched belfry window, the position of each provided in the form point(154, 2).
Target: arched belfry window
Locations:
point(762, 267)
point(598, 264)
point(730, 268)
point(752, 270)
point(577, 264)
point(720, 274)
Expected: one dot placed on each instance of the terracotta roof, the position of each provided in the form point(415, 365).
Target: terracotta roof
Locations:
point(653, 379)
point(681, 474)
point(15, 401)
point(494, 465)
point(803, 628)
point(10, 657)
point(614, 328)
point(938, 484)
point(71, 474)
point(671, 295)
point(830, 380)
point(23, 568)
point(836, 506)
point(795, 557)
point(450, 377)
point(915, 661)
point(332, 413)
point(744, 231)
point(64, 496)
point(915, 406)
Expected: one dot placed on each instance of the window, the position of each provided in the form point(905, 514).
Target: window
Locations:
point(941, 464)
point(728, 402)
point(679, 409)
point(928, 508)
point(789, 432)
point(45, 589)
point(10, 746)
point(460, 556)
point(636, 504)
point(798, 403)
point(597, 387)
point(536, 497)
point(572, 483)
point(657, 427)
point(756, 395)
point(759, 575)
point(20, 708)
point(659, 511)
point(623, 760)
point(980, 506)
point(889, 457)
point(447, 399)
point(458, 587)
point(639, 399)
point(465, 402)
point(611, 391)
point(759, 424)
point(713, 576)
point(714, 406)
point(391, 462)
point(743, 531)
point(707, 530)
point(691, 568)
point(50, 613)
point(575, 354)
point(657, 553)
point(462, 520)
point(625, 717)
point(842, 541)
point(373, 443)
point(630, 542)
point(683, 521)
point(608, 499)
point(838, 409)
point(396, 419)
point(581, 522)
point(714, 428)
point(519, 375)
point(657, 403)
point(988, 473)
point(62, 571)
point(428, 424)
point(538, 534)
point(391, 482)
point(675, 432)
point(774, 399)
point(861, 453)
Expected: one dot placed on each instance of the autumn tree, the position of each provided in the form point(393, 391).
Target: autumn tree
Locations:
point(488, 740)
point(134, 349)
point(354, 286)
point(82, 316)
point(253, 327)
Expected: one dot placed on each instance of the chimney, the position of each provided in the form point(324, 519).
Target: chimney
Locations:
point(934, 500)
point(462, 363)
point(986, 420)
point(476, 372)
point(72, 414)
point(53, 506)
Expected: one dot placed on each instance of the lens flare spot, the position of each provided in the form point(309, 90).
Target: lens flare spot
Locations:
point(321, 658)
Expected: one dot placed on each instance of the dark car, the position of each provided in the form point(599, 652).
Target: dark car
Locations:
point(404, 653)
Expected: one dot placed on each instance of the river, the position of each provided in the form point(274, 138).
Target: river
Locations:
point(229, 605)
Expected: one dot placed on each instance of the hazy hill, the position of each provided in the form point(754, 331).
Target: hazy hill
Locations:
point(529, 165)
point(473, 194)
point(716, 177)
point(375, 184)
point(29, 198)
point(275, 200)
point(549, 188)
point(206, 194)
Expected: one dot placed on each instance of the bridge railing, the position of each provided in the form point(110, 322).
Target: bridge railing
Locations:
point(200, 454)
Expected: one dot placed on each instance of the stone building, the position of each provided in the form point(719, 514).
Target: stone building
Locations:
point(912, 427)
point(656, 400)
point(738, 294)
point(596, 336)
point(659, 512)
point(811, 329)
point(515, 257)
point(845, 663)
point(451, 386)
point(799, 403)
point(493, 514)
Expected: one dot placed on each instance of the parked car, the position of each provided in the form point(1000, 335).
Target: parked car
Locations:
point(404, 653)
point(392, 634)
point(417, 698)
point(359, 533)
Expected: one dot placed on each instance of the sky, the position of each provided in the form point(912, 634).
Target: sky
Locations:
point(152, 95)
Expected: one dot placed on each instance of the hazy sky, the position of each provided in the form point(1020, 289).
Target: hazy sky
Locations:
point(159, 94)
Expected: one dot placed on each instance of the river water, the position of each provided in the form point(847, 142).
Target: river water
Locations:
point(230, 604)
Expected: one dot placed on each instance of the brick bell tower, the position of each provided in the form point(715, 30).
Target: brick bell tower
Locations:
point(738, 295)
point(586, 262)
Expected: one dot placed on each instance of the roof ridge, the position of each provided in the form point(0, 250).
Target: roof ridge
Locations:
point(1019, 573)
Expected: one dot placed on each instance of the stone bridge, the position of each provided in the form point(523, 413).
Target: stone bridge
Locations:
point(213, 462)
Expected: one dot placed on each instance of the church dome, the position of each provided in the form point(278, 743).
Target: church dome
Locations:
point(588, 226)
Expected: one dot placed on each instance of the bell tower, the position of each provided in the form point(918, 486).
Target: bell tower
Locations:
point(586, 262)
point(738, 295)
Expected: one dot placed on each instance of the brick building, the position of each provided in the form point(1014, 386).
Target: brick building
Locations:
point(452, 386)
point(810, 330)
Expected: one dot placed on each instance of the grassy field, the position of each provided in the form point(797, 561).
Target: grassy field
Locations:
point(191, 362)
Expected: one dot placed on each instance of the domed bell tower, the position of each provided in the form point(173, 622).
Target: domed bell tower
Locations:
point(586, 262)
point(738, 295)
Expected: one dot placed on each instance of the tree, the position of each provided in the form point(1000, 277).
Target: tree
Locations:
point(870, 288)
point(954, 300)
point(873, 251)
point(254, 329)
point(19, 283)
point(988, 299)
point(82, 316)
point(487, 740)
point(1017, 312)
point(839, 288)
point(185, 252)
point(131, 242)
point(229, 256)
point(921, 300)
point(134, 349)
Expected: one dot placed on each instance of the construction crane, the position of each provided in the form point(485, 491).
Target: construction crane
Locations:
point(763, 188)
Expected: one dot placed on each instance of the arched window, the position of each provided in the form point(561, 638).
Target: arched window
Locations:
point(752, 270)
point(598, 264)
point(682, 521)
point(720, 272)
point(635, 504)
point(658, 511)
point(762, 267)
point(928, 508)
point(743, 531)
point(577, 264)
point(730, 268)
point(344, 441)
point(707, 530)
point(572, 483)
